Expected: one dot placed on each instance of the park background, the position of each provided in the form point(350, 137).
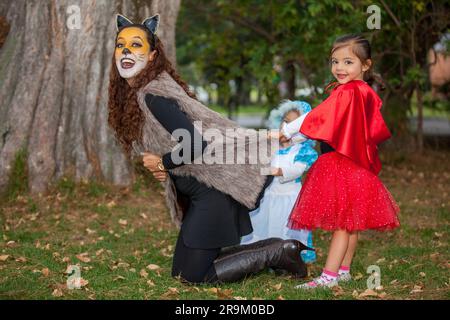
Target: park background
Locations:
point(69, 197)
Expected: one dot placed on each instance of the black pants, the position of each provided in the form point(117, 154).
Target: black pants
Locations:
point(194, 265)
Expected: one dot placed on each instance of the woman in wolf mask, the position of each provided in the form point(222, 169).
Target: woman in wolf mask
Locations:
point(210, 203)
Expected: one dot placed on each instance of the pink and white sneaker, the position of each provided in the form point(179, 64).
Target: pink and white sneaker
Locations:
point(344, 277)
point(319, 282)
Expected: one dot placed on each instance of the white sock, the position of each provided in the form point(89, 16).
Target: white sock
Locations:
point(343, 270)
point(328, 276)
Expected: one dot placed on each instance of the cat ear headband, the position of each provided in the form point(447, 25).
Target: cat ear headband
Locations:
point(151, 23)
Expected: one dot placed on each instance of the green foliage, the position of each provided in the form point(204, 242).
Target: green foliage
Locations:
point(18, 176)
point(222, 41)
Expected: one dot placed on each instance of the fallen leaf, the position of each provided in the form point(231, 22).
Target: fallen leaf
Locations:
point(123, 222)
point(153, 267)
point(143, 273)
point(45, 272)
point(280, 297)
point(21, 259)
point(111, 204)
point(225, 294)
point(422, 274)
point(416, 289)
point(57, 293)
point(89, 231)
point(119, 278)
point(83, 282)
point(394, 282)
point(212, 290)
point(337, 291)
point(358, 276)
point(4, 257)
point(144, 216)
point(83, 257)
point(277, 286)
point(99, 252)
point(150, 283)
point(11, 243)
point(170, 292)
point(368, 293)
point(239, 298)
point(381, 260)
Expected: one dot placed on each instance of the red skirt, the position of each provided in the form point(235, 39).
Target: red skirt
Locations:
point(340, 195)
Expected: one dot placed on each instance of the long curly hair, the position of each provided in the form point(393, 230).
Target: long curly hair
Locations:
point(124, 115)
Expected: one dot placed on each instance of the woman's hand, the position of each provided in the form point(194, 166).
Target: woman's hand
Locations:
point(160, 175)
point(276, 171)
point(277, 134)
point(150, 161)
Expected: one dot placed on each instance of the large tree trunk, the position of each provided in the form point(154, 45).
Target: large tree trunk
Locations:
point(54, 87)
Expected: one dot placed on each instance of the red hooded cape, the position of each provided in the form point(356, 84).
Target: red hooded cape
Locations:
point(350, 121)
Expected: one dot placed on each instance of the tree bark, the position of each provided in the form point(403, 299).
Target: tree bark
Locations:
point(54, 87)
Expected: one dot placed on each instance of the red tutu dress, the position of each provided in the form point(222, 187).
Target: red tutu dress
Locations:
point(342, 189)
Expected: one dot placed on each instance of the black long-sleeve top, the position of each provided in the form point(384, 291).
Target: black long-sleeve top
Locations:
point(169, 114)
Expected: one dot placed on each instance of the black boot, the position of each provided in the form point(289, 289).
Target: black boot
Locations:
point(281, 254)
point(253, 245)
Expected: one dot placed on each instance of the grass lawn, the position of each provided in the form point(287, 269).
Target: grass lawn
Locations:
point(122, 241)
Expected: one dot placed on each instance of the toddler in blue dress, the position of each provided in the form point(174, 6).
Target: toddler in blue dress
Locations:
point(288, 165)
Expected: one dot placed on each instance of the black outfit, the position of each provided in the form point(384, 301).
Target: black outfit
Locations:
point(213, 219)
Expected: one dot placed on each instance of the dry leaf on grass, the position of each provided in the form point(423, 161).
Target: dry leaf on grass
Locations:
point(368, 293)
point(57, 293)
point(83, 257)
point(153, 267)
point(123, 222)
point(277, 287)
point(337, 291)
point(358, 276)
point(21, 259)
point(4, 257)
point(171, 292)
point(143, 273)
point(111, 204)
point(416, 289)
point(45, 272)
point(225, 293)
point(11, 244)
point(89, 231)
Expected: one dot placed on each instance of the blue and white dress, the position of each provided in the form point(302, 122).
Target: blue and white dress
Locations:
point(270, 219)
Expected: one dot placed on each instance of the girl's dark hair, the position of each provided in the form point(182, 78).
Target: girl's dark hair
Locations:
point(361, 48)
point(124, 115)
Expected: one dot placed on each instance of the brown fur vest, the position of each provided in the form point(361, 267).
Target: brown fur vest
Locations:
point(243, 182)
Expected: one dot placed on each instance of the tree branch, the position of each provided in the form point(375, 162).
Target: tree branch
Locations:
point(397, 22)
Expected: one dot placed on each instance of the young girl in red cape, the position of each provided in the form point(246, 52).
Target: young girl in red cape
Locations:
point(342, 192)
